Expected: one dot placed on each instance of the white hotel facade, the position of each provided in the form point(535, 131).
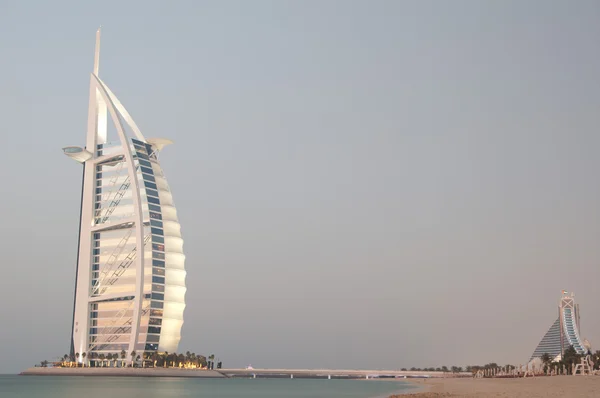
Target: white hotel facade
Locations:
point(130, 283)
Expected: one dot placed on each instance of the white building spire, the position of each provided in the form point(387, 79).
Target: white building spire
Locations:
point(97, 52)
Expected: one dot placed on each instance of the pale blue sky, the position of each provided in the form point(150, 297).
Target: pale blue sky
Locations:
point(360, 183)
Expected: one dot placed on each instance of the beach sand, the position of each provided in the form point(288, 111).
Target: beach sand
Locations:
point(555, 386)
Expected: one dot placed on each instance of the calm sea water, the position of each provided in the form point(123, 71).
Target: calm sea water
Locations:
point(137, 387)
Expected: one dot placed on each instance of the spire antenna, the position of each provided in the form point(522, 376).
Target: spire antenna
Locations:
point(97, 52)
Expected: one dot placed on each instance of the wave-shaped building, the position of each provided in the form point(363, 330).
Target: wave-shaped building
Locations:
point(564, 332)
point(130, 283)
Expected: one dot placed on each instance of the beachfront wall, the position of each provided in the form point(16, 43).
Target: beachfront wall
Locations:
point(124, 300)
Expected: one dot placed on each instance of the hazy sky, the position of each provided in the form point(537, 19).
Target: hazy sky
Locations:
point(360, 184)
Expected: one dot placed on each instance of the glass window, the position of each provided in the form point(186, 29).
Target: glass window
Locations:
point(148, 177)
point(157, 231)
point(152, 192)
point(158, 239)
point(151, 347)
point(96, 252)
point(156, 313)
point(158, 263)
point(151, 185)
point(160, 256)
point(98, 175)
point(158, 288)
point(95, 267)
point(152, 199)
point(146, 170)
point(154, 329)
point(156, 223)
point(152, 338)
point(157, 304)
point(158, 296)
point(158, 247)
point(142, 155)
point(154, 208)
point(158, 279)
point(155, 216)
point(145, 163)
point(158, 271)
point(96, 235)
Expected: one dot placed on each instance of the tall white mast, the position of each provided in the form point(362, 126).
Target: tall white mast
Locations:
point(97, 52)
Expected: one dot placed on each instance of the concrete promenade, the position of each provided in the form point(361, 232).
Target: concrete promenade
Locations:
point(123, 372)
point(222, 373)
point(337, 373)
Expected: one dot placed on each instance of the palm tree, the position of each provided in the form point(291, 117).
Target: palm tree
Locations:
point(132, 357)
point(570, 358)
point(123, 357)
point(596, 359)
point(546, 359)
point(101, 358)
point(166, 355)
point(211, 358)
point(83, 355)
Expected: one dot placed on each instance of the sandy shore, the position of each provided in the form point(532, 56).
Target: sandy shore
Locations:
point(127, 372)
point(555, 386)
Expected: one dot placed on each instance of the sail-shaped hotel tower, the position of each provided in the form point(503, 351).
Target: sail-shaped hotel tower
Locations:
point(564, 332)
point(130, 282)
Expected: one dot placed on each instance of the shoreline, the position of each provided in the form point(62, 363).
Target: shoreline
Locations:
point(415, 389)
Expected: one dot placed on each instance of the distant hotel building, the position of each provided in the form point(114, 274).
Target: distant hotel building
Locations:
point(564, 332)
point(130, 283)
